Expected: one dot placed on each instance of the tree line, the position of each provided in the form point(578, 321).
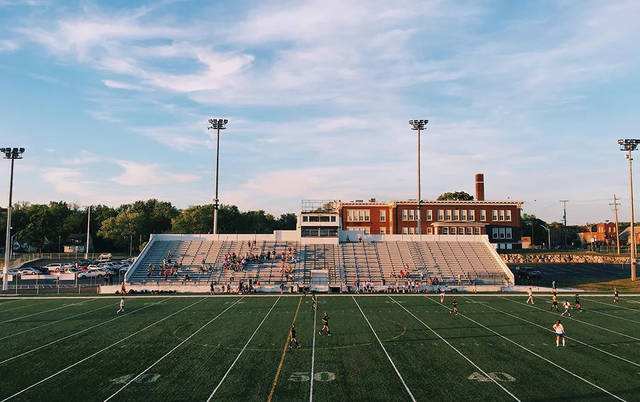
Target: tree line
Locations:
point(49, 227)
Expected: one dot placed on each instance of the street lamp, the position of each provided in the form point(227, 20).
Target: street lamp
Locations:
point(629, 145)
point(11, 154)
point(217, 124)
point(419, 125)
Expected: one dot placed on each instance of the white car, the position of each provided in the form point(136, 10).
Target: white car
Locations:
point(55, 267)
point(93, 273)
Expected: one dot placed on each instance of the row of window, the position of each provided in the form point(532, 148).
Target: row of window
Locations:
point(461, 215)
point(318, 218)
point(446, 230)
point(502, 233)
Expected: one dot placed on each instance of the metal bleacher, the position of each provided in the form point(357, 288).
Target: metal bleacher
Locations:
point(378, 263)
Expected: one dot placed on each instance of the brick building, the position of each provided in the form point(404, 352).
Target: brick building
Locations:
point(599, 233)
point(500, 220)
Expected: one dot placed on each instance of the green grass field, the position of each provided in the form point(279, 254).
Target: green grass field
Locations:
point(381, 348)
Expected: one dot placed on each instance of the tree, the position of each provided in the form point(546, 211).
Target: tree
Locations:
point(195, 219)
point(122, 228)
point(455, 196)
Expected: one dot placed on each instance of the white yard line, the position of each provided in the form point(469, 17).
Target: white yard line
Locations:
point(313, 354)
point(241, 351)
point(99, 351)
point(568, 337)
point(18, 308)
point(40, 312)
point(54, 322)
point(536, 354)
point(457, 350)
point(406, 387)
point(617, 305)
point(574, 319)
point(76, 333)
point(172, 350)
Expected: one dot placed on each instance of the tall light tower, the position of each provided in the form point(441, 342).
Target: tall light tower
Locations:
point(419, 125)
point(11, 154)
point(629, 145)
point(217, 124)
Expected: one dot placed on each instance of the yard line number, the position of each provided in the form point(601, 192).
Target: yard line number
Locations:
point(494, 376)
point(303, 376)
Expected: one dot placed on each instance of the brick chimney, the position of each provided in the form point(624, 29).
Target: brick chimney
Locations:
point(479, 187)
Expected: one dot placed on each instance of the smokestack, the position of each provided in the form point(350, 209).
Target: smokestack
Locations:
point(479, 187)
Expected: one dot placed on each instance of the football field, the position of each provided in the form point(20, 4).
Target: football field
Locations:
point(384, 348)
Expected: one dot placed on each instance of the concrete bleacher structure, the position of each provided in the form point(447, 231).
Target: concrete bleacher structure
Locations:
point(377, 260)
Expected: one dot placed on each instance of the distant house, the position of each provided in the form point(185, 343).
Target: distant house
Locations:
point(626, 239)
point(602, 234)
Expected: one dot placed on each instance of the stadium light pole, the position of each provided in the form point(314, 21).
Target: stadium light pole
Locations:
point(629, 145)
point(86, 249)
point(12, 154)
point(419, 126)
point(217, 124)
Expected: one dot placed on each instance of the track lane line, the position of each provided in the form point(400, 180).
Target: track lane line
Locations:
point(568, 337)
point(173, 349)
point(242, 351)
point(45, 311)
point(617, 305)
point(76, 333)
point(456, 350)
point(100, 351)
point(406, 387)
point(535, 354)
point(574, 319)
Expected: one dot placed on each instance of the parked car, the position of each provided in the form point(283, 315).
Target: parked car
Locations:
point(54, 267)
point(104, 257)
point(93, 273)
point(28, 271)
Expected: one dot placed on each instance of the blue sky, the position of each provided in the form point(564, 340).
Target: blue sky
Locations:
point(111, 100)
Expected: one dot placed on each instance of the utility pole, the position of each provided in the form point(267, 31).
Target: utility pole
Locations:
point(564, 221)
point(419, 126)
point(615, 205)
point(628, 146)
point(217, 124)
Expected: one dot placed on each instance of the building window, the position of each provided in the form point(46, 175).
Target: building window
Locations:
point(501, 215)
point(472, 215)
point(456, 215)
point(508, 215)
point(476, 231)
point(363, 229)
point(383, 231)
point(429, 215)
point(383, 216)
point(333, 218)
point(501, 232)
point(494, 233)
point(463, 215)
point(305, 219)
point(405, 216)
point(445, 231)
point(412, 230)
point(440, 214)
point(447, 215)
point(411, 215)
point(483, 215)
point(469, 230)
point(509, 233)
point(429, 230)
point(405, 230)
point(494, 215)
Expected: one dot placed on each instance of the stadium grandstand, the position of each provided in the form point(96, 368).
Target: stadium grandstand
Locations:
point(320, 256)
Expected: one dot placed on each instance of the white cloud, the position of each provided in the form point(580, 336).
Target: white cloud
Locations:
point(121, 85)
point(149, 174)
point(7, 45)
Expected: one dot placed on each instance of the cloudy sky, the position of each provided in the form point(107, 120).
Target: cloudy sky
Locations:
point(111, 100)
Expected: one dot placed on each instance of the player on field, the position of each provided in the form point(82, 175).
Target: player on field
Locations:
point(293, 338)
point(554, 302)
point(577, 303)
point(121, 308)
point(558, 328)
point(567, 307)
point(616, 295)
point(325, 325)
point(442, 296)
point(530, 296)
point(454, 307)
